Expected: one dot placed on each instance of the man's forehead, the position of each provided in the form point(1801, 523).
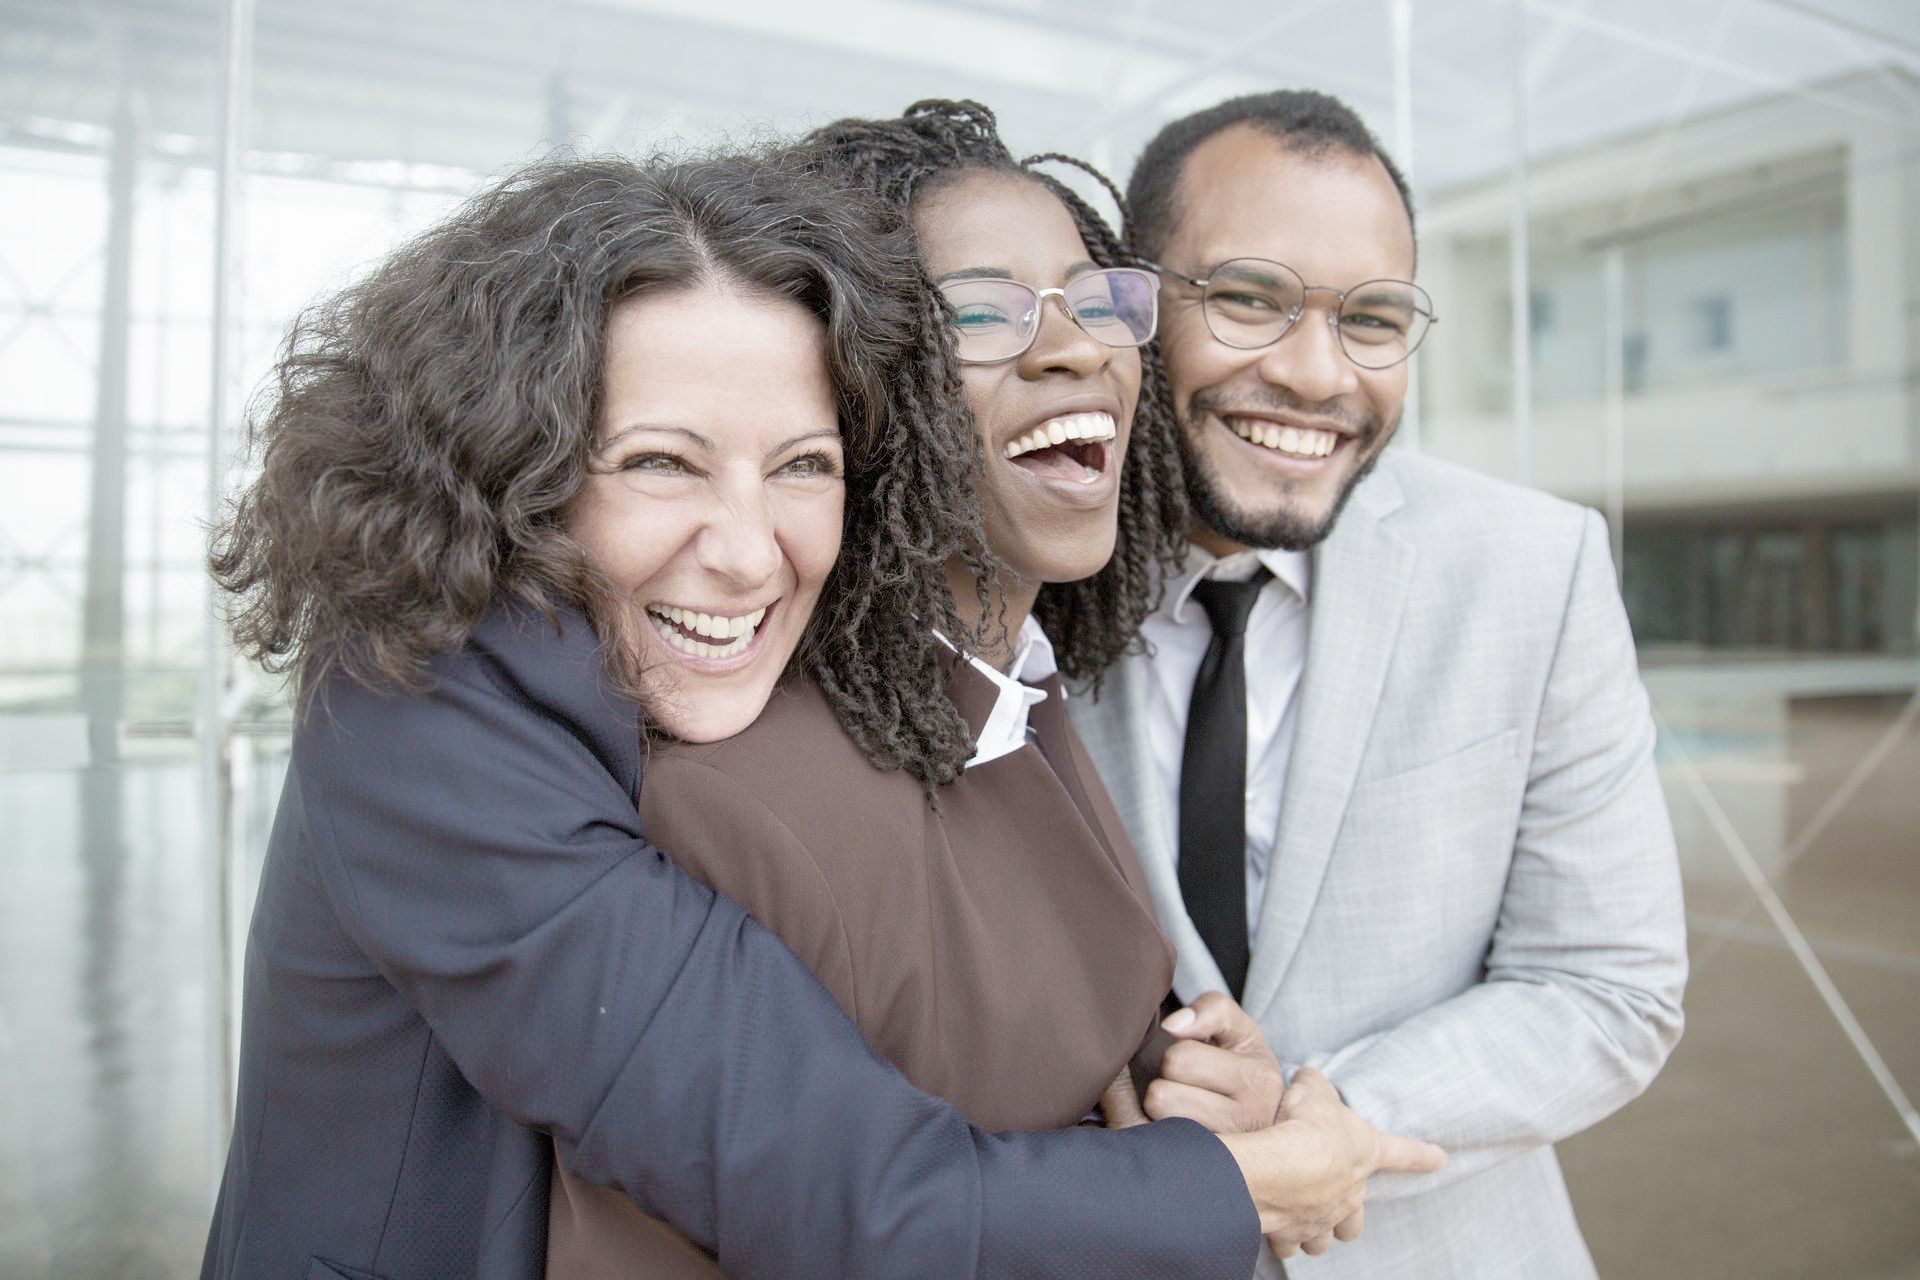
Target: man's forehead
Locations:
point(1245, 192)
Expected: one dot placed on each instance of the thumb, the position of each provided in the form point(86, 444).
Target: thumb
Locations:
point(1406, 1155)
point(1309, 1087)
point(1120, 1104)
point(1218, 1019)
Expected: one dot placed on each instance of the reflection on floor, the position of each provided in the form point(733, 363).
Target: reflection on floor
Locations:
point(1765, 1150)
point(103, 1064)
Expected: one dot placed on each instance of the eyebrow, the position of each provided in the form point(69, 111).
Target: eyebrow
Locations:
point(791, 441)
point(706, 443)
point(1382, 298)
point(626, 431)
point(1252, 277)
point(1006, 273)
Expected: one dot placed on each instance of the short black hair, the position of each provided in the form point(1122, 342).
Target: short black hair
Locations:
point(1310, 123)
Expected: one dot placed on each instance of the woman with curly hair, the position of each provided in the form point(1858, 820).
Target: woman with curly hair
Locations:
point(997, 943)
point(668, 433)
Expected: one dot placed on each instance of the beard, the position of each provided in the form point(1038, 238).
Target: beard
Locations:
point(1283, 525)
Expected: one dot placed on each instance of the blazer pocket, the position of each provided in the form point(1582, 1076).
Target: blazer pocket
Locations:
point(321, 1269)
point(1451, 769)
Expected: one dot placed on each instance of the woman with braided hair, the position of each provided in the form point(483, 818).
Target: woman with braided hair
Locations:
point(993, 938)
point(942, 161)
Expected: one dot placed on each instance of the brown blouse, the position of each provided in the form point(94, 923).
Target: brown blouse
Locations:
point(1001, 951)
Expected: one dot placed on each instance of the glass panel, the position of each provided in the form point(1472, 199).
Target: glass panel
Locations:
point(1720, 323)
point(105, 248)
point(1719, 300)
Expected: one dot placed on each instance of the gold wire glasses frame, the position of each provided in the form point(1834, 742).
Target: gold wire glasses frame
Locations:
point(996, 319)
point(1250, 303)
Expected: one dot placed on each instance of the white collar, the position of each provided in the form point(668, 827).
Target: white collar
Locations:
point(1292, 569)
point(1033, 661)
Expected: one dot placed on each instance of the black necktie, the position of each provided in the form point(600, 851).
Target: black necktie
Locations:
point(1213, 781)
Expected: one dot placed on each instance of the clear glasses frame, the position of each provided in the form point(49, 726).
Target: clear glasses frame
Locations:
point(1376, 340)
point(1117, 306)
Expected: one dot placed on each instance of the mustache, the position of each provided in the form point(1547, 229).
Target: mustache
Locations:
point(1281, 400)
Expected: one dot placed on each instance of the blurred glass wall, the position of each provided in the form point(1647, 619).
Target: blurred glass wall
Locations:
point(1673, 248)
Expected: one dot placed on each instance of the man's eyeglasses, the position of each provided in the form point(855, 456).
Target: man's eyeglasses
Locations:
point(995, 320)
point(1252, 302)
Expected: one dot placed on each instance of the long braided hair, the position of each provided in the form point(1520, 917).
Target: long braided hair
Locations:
point(1094, 622)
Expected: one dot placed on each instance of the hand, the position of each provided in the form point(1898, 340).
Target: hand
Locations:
point(1222, 1073)
point(1120, 1104)
point(1308, 1174)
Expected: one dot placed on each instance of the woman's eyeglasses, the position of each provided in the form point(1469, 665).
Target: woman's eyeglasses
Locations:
point(995, 320)
point(1252, 302)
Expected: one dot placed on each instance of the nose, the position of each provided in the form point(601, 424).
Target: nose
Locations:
point(1062, 346)
point(1309, 360)
point(739, 544)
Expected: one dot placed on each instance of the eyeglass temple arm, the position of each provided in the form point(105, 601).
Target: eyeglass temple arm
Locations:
point(1151, 265)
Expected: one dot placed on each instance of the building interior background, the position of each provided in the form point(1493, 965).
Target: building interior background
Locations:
point(1675, 247)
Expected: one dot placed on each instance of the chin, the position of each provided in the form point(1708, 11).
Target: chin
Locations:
point(1076, 565)
point(689, 716)
point(690, 706)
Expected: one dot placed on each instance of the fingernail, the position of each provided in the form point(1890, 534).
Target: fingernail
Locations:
point(1179, 1020)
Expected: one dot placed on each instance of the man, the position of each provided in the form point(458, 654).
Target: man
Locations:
point(1393, 788)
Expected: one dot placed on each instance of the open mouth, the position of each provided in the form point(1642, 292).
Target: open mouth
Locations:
point(1072, 447)
point(1294, 442)
point(706, 635)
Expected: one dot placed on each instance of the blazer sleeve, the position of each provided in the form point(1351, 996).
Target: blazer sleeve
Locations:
point(1580, 1005)
point(478, 850)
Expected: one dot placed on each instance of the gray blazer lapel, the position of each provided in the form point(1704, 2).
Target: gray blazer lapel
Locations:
point(1360, 578)
point(1115, 732)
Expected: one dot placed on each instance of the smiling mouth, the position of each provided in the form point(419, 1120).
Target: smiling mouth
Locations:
point(1295, 442)
point(1072, 447)
point(706, 635)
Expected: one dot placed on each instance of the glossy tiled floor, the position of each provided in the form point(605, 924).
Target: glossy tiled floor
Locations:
point(1765, 1150)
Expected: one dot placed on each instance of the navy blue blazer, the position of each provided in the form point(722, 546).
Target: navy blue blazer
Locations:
point(463, 943)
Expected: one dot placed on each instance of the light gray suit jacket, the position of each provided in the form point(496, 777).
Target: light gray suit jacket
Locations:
point(1473, 920)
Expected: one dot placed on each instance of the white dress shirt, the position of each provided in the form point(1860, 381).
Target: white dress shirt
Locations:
point(1276, 653)
point(1006, 728)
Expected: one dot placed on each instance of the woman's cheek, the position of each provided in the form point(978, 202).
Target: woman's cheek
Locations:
point(814, 525)
point(1130, 392)
point(831, 527)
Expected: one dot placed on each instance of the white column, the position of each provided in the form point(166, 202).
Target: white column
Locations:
point(216, 790)
point(1522, 351)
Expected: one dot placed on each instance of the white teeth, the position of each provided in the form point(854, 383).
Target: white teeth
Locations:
point(1072, 426)
point(733, 634)
point(1301, 442)
point(685, 644)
